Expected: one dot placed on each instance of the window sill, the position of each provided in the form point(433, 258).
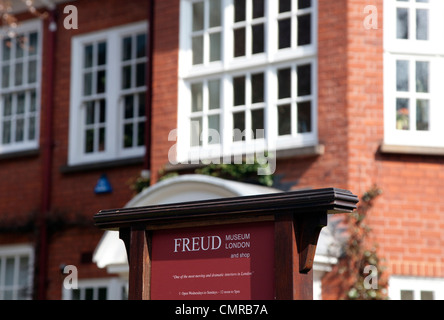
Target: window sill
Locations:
point(413, 150)
point(101, 165)
point(20, 154)
point(301, 152)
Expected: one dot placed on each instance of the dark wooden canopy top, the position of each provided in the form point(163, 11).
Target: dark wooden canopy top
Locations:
point(330, 200)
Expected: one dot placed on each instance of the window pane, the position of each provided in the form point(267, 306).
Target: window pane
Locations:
point(89, 141)
point(214, 129)
point(19, 130)
point(284, 5)
point(33, 104)
point(257, 88)
point(215, 13)
point(239, 91)
point(21, 103)
point(101, 54)
point(6, 49)
point(304, 29)
point(239, 42)
point(284, 83)
point(140, 74)
point(284, 119)
point(6, 134)
point(89, 294)
point(75, 294)
point(18, 74)
point(304, 80)
point(19, 47)
point(215, 46)
point(239, 126)
point(427, 295)
point(422, 24)
point(258, 8)
point(9, 272)
point(5, 76)
point(101, 139)
point(402, 23)
point(406, 294)
point(31, 128)
point(87, 84)
point(422, 76)
point(302, 4)
point(402, 114)
point(198, 16)
point(258, 38)
point(141, 133)
point(196, 130)
point(129, 107)
point(102, 294)
point(141, 45)
point(197, 50)
point(196, 97)
point(126, 77)
point(304, 117)
point(402, 75)
point(214, 94)
point(239, 10)
point(126, 48)
point(23, 271)
point(7, 107)
point(101, 81)
point(128, 135)
point(89, 112)
point(422, 115)
point(141, 107)
point(33, 44)
point(284, 37)
point(257, 123)
point(32, 71)
point(102, 111)
point(88, 56)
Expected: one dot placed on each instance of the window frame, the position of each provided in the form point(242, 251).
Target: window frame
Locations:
point(230, 66)
point(432, 51)
point(114, 288)
point(415, 284)
point(17, 251)
point(114, 96)
point(26, 27)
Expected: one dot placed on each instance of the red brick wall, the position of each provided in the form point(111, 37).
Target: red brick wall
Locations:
point(73, 193)
point(165, 75)
point(407, 218)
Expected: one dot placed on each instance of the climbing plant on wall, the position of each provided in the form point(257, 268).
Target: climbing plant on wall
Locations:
point(360, 269)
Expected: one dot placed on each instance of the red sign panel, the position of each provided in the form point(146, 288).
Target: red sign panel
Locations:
point(217, 262)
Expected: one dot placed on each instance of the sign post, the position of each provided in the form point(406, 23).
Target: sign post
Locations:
point(255, 247)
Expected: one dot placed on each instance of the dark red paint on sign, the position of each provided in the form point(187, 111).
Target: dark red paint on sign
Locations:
point(217, 262)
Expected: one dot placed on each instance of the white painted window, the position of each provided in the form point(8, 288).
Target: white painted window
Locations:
point(107, 112)
point(246, 77)
point(20, 61)
point(416, 288)
point(16, 272)
point(98, 289)
point(413, 73)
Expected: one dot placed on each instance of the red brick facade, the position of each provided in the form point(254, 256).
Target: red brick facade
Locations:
point(407, 219)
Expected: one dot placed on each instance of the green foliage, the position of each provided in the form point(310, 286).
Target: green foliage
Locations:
point(243, 172)
point(358, 255)
point(139, 183)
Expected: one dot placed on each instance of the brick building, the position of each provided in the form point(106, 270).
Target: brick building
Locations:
point(344, 100)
